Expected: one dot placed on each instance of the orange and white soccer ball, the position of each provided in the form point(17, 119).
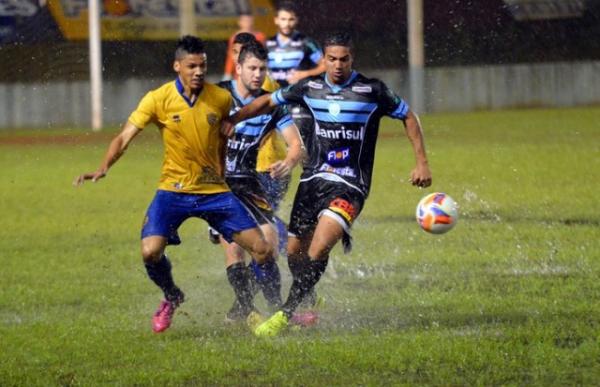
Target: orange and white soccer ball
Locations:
point(437, 213)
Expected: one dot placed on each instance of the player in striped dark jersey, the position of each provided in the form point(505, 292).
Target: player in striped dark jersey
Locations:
point(240, 167)
point(346, 108)
point(292, 55)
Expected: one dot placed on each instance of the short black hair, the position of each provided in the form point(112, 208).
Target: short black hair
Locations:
point(244, 38)
point(188, 45)
point(287, 6)
point(254, 49)
point(340, 38)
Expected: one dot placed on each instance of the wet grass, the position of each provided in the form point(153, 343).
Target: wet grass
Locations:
point(510, 296)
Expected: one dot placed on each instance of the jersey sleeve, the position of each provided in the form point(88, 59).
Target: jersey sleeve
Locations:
point(227, 106)
point(392, 105)
point(313, 51)
point(290, 94)
point(282, 118)
point(145, 112)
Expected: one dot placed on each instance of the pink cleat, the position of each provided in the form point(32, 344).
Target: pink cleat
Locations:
point(305, 319)
point(162, 318)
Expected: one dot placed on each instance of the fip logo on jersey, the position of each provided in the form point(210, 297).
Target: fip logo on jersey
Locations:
point(338, 156)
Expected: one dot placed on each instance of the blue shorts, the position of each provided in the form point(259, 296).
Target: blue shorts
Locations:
point(274, 188)
point(223, 211)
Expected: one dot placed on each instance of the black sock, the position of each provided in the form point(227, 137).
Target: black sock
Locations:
point(303, 284)
point(238, 277)
point(269, 279)
point(296, 266)
point(160, 273)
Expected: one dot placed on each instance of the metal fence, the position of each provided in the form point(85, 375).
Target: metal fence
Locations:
point(562, 84)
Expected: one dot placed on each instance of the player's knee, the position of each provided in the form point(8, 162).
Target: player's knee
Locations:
point(263, 251)
point(151, 253)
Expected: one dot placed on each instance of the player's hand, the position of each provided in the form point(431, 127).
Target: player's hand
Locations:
point(227, 128)
point(294, 77)
point(421, 176)
point(280, 169)
point(93, 176)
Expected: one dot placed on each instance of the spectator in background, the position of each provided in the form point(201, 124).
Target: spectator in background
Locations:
point(246, 24)
point(292, 55)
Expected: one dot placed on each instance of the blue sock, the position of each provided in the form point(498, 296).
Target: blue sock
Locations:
point(269, 280)
point(282, 235)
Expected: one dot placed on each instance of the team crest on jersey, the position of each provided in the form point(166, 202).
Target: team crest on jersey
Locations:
point(209, 176)
point(334, 109)
point(212, 118)
point(315, 85)
point(362, 89)
point(177, 118)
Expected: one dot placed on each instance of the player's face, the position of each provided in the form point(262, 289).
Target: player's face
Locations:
point(338, 63)
point(286, 22)
point(252, 73)
point(191, 70)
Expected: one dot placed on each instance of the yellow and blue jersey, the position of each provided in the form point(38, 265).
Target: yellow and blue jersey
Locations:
point(194, 151)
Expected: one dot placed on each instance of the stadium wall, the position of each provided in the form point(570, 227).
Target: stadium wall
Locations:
point(562, 84)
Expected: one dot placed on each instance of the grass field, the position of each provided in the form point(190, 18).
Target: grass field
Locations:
point(510, 296)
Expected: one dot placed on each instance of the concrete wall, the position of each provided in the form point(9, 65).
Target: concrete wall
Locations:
point(60, 104)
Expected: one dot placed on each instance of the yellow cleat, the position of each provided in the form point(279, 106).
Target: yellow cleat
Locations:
point(254, 319)
point(273, 326)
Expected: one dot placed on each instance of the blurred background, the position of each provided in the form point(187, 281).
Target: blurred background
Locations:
point(478, 54)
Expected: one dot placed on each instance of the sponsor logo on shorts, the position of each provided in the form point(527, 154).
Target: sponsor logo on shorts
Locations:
point(345, 171)
point(343, 208)
point(338, 156)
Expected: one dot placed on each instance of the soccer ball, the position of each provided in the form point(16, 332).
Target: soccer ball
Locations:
point(437, 213)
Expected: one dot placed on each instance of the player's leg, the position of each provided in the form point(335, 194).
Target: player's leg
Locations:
point(267, 274)
point(327, 233)
point(275, 190)
point(334, 220)
point(297, 253)
point(265, 266)
point(234, 258)
point(325, 236)
point(159, 229)
point(226, 214)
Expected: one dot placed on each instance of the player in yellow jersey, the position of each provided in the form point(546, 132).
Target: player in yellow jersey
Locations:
point(188, 113)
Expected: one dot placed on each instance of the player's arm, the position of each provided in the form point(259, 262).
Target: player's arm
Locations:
point(295, 152)
point(115, 150)
point(261, 105)
point(297, 75)
point(316, 56)
point(420, 175)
